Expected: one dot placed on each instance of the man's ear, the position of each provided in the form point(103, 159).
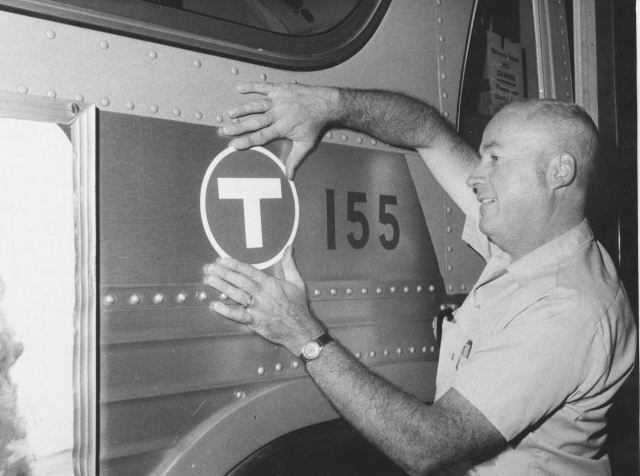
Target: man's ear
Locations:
point(561, 170)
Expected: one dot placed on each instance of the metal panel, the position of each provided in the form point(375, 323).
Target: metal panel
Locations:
point(584, 41)
point(165, 359)
point(552, 50)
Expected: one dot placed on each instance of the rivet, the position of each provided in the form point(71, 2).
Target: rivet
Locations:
point(263, 76)
point(345, 137)
point(358, 355)
point(372, 354)
point(463, 287)
point(445, 95)
point(566, 78)
point(406, 289)
point(50, 34)
point(438, 2)
point(278, 367)
point(432, 349)
point(104, 45)
point(131, 106)
point(439, 20)
point(240, 395)
point(202, 296)
point(74, 108)
point(153, 54)
point(564, 47)
point(181, 297)
point(105, 101)
point(412, 350)
point(158, 298)
point(198, 115)
point(451, 288)
point(109, 299)
point(374, 142)
point(441, 39)
point(359, 139)
point(387, 145)
point(135, 299)
point(333, 291)
point(234, 70)
point(449, 209)
point(349, 291)
point(260, 370)
point(386, 353)
point(197, 63)
point(79, 97)
point(561, 17)
point(432, 288)
point(219, 118)
point(378, 290)
point(443, 307)
point(317, 292)
point(392, 289)
point(566, 93)
point(329, 135)
point(562, 32)
point(564, 63)
point(365, 291)
point(449, 249)
point(295, 364)
point(176, 111)
point(419, 289)
point(51, 93)
point(223, 297)
point(449, 229)
point(445, 114)
point(424, 349)
point(23, 89)
point(399, 351)
point(443, 57)
point(154, 108)
point(443, 76)
point(450, 268)
point(294, 81)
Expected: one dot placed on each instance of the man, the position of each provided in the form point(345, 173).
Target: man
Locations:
point(531, 361)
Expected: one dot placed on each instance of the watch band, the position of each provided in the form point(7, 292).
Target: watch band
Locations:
point(323, 340)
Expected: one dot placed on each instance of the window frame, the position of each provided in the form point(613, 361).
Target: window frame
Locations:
point(209, 35)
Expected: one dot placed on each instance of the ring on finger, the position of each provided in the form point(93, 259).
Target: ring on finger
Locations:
point(246, 306)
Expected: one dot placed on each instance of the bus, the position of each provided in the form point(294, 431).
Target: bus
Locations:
point(111, 163)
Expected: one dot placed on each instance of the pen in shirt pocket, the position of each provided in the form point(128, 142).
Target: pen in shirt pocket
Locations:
point(466, 350)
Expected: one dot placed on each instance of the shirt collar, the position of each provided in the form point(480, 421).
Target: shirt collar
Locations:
point(530, 266)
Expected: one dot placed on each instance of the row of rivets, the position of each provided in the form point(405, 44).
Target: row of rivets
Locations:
point(442, 57)
point(379, 290)
point(157, 298)
point(399, 351)
point(279, 367)
point(359, 139)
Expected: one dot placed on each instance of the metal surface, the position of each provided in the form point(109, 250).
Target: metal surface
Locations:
point(552, 50)
point(586, 62)
point(158, 333)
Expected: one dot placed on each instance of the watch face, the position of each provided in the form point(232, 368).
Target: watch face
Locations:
point(311, 350)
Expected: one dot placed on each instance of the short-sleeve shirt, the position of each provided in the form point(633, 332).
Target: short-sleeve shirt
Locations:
point(540, 346)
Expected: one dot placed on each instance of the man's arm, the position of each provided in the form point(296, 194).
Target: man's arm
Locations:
point(301, 114)
point(420, 438)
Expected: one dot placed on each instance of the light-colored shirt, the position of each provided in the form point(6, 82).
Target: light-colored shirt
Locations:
point(540, 346)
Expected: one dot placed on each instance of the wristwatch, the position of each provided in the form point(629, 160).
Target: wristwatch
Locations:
point(312, 349)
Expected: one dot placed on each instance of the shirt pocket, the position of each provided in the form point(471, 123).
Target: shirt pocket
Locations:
point(450, 348)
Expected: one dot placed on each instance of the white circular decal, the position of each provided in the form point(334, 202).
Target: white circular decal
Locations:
point(249, 208)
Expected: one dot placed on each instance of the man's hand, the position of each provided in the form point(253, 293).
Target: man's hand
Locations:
point(290, 111)
point(278, 309)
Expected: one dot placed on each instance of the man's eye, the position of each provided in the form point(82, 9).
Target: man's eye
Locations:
point(494, 158)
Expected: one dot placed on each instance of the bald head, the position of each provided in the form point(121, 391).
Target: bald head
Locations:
point(568, 128)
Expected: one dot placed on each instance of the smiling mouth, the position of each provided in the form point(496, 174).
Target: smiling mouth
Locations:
point(484, 201)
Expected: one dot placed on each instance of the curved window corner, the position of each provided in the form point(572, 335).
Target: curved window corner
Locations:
point(299, 35)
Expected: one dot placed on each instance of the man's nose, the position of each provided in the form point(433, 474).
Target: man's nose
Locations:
point(477, 177)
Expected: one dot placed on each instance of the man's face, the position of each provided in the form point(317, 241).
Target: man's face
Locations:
point(515, 203)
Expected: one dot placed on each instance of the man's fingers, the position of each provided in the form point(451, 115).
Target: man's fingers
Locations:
point(244, 269)
point(298, 152)
point(239, 296)
point(260, 88)
point(234, 313)
point(290, 269)
point(240, 280)
point(260, 137)
point(253, 107)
